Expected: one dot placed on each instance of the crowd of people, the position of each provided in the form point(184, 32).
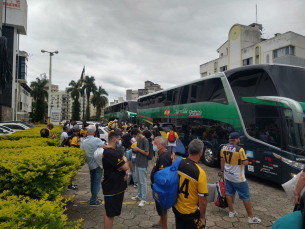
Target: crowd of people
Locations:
point(191, 204)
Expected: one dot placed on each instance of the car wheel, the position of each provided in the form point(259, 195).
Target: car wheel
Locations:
point(208, 157)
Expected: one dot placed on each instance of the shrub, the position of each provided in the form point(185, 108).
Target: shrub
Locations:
point(33, 132)
point(23, 212)
point(35, 171)
point(29, 142)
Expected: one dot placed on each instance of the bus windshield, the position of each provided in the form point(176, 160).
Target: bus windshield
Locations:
point(296, 131)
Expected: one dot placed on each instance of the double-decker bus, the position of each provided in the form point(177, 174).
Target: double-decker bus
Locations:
point(264, 103)
point(124, 111)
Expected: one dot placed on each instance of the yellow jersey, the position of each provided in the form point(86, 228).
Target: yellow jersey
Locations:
point(233, 155)
point(192, 184)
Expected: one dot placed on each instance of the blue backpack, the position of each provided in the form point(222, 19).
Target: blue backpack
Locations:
point(165, 187)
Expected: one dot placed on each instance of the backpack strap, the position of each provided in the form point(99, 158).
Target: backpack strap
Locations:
point(175, 165)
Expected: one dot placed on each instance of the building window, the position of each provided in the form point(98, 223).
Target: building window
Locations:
point(288, 50)
point(223, 68)
point(257, 55)
point(221, 54)
point(267, 59)
point(248, 61)
point(215, 66)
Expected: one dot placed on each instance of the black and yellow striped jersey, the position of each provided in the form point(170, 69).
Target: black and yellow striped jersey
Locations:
point(74, 141)
point(192, 184)
point(233, 155)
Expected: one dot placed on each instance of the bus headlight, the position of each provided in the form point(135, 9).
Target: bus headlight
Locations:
point(290, 162)
point(293, 163)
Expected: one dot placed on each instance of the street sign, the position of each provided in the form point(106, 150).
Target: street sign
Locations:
point(55, 116)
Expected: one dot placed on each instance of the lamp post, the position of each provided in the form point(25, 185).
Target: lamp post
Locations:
point(50, 82)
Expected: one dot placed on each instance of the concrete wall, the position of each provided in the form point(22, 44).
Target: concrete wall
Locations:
point(16, 15)
point(223, 49)
point(291, 60)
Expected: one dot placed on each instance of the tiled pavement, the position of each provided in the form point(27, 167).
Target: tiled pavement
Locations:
point(269, 202)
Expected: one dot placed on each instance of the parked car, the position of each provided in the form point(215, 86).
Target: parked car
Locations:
point(103, 133)
point(7, 129)
point(4, 132)
point(20, 122)
point(14, 126)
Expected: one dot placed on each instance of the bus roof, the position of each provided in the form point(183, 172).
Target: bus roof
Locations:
point(133, 101)
point(216, 75)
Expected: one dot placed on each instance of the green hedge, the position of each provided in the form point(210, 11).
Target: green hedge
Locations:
point(34, 172)
point(23, 212)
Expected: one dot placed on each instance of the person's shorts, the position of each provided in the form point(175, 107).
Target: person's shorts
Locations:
point(113, 204)
point(241, 188)
point(188, 221)
point(172, 148)
point(161, 210)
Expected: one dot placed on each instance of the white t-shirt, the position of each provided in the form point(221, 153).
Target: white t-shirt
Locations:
point(63, 135)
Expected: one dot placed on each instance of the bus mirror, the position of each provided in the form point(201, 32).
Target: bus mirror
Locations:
point(296, 108)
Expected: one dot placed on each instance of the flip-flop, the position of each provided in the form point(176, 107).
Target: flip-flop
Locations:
point(155, 224)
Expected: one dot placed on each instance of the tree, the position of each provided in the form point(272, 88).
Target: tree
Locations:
point(99, 100)
point(75, 91)
point(39, 94)
point(90, 87)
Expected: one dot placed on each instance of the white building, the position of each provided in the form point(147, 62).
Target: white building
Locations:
point(149, 87)
point(24, 99)
point(64, 101)
point(245, 46)
point(16, 25)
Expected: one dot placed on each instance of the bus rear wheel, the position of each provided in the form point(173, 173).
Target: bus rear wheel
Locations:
point(208, 157)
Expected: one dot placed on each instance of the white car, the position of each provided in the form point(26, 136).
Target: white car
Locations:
point(14, 126)
point(7, 129)
point(103, 133)
point(4, 132)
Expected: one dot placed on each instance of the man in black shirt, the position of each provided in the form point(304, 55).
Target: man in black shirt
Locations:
point(164, 159)
point(114, 182)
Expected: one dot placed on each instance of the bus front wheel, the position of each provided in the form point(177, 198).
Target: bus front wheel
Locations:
point(208, 157)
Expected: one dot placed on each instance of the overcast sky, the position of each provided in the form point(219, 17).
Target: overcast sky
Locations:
point(123, 43)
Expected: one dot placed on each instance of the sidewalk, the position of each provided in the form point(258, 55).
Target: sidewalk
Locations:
point(132, 216)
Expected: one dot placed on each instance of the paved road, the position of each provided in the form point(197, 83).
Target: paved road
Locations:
point(269, 202)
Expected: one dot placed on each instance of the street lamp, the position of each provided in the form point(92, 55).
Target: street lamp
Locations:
point(50, 82)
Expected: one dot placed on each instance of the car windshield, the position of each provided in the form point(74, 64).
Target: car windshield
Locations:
point(296, 131)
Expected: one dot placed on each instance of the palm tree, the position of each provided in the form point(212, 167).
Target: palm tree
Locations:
point(75, 91)
point(99, 100)
point(39, 94)
point(40, 89)
point(89, 86)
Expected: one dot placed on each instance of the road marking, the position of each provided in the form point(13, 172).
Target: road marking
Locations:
point(81, 173)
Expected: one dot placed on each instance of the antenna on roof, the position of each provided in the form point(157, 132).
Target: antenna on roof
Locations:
point(256, 12)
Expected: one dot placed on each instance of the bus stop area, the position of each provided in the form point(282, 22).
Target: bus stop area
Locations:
point(269, 202)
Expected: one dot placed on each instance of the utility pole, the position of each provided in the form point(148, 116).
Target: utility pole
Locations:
point(256, 12)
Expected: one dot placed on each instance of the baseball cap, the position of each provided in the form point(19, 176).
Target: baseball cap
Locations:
point(234, 135)
point(75, 128)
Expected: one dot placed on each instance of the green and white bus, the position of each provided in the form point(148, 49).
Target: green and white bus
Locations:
point(124, 111)
point(264, 103)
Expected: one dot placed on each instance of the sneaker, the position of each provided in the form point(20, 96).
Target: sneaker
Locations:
point(96, 204)
point(142, 203)
point(135, 198)
point(72, 187)
point(135, 185)
point(233, 214)
point(254, 220)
